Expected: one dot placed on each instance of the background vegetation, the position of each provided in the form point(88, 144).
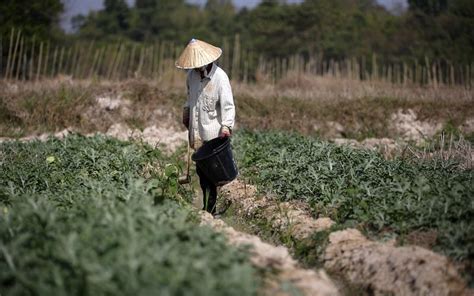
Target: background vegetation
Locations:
point(436, 34)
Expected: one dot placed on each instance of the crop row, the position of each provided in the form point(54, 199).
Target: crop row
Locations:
point(77, 217)
point(360, 188)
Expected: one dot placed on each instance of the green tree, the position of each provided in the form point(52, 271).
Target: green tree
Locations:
point(114, 20)
point(39, 18)
point(430, 7)
point(220, 19)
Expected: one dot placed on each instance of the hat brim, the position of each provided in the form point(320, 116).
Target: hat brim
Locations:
point(198, 54)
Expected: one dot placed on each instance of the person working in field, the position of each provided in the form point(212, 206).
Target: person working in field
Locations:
point(209, 111)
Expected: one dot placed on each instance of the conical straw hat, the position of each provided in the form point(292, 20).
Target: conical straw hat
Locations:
point(197, 54)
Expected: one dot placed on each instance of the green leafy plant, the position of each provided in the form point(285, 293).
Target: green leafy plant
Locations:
point(359, 187)
point(78, 217)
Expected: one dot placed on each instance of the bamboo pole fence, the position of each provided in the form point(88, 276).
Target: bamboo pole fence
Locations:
point(25, 58)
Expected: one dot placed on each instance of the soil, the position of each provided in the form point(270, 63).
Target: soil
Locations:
point(385, 269)
point(277, 260)
point(280, 216)
point(409, 128)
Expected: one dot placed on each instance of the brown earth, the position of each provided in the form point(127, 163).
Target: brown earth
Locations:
point(277, 260)
point(330, 108)
point(384, 269)
point(281, 217)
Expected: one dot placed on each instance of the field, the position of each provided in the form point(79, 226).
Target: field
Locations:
point(387, 167)
point(91, 216)
point(358, 188)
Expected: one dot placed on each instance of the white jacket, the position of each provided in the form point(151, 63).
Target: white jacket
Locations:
point(210, 104)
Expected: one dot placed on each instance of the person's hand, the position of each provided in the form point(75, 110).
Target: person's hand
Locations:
point(185, 119)
point(224, 132)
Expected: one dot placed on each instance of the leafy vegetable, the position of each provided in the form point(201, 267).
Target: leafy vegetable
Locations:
point(77, 218)
point(355, 186)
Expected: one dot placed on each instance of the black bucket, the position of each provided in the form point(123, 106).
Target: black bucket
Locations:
point(215, 159)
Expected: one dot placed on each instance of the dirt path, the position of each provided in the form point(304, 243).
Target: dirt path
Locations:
point(276, 262)
point(383, 268)
point(283, 217)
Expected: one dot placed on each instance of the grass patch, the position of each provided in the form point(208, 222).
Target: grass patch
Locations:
point(361, 118)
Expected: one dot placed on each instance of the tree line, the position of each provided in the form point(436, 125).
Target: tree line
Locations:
point(441, 30)
point(334, 28)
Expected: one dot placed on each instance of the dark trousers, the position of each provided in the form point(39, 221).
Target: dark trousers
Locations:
point(209, 192)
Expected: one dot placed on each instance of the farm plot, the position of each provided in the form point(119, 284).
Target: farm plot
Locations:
point(78, 217)
point(358, 188)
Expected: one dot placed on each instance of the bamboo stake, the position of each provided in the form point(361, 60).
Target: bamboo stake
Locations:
point(468, 78)
point(101, 62)
point(60, 63)
point(236, 58)
point(1, 56)
point(284, 68)
point(96, 66)
point(396, 74)
point(86, 60)
point(81, 58)
point(32, 57)
point(146, 62)
point(87, 63)
point(405, 73)
point(39, 61)
point(174, 71)
point(123, 58)
point(109, 61)
point(75, 60)
point(125, 63)
point(20, 57)
point(434, 75)
point(226, 60)
point(246, 66)
point(472, 73)
point(410, 73)
point(112, 73)
point(118, 63)
point(162, 57)
point(94, 61)
point(140, 63)
point(131, 62)
point(428, 71)
point(374, 67)
point(390, 73)
point(13, 63)
point(25, 65)
point(46, 59)
point(10, 48)
point(153, 60)
point(53, 68)
point(78, 60)
point(67, 66)
point(113, 61)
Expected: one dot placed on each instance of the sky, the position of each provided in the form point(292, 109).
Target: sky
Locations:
point(75, 7)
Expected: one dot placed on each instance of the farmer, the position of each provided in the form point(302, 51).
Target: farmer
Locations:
point(209, 111)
